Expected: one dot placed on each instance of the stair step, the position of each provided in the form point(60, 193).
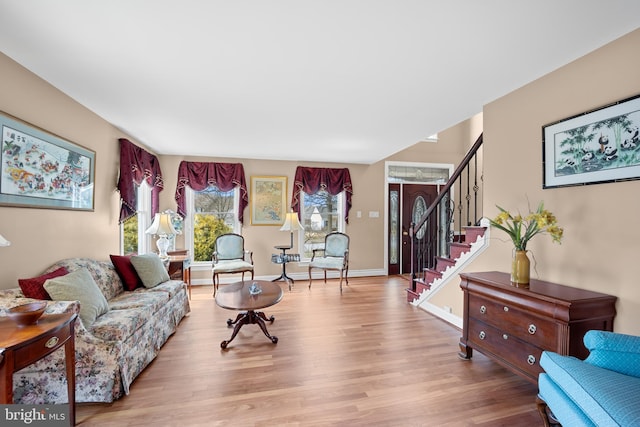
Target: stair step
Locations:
point(411, 295)
point(472, 233)
point(430, 275)
point(457, 249)
point(422, 286)
point(443, 263)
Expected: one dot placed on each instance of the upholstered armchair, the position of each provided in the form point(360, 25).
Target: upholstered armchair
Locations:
point(230, 257)
point(334, 256)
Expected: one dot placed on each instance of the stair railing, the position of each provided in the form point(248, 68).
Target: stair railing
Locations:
point(452, 209)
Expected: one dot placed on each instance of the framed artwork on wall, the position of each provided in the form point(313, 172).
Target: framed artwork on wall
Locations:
point(268, 200)
point(598, 146)
point(42, 170)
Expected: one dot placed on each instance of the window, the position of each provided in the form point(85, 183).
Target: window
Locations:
point(322, 214)
point(132, 231)
point(211, 212)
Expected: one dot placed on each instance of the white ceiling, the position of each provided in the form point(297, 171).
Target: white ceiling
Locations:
point(308, 80)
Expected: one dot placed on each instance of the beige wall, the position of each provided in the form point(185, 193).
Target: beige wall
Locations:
point(41, 236)
point(601, 241)
point(601, 245)
point(367, 234)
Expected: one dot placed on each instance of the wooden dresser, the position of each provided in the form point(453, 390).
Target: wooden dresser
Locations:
point(514, 325)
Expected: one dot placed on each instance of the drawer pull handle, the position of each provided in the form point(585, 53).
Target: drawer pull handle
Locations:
point(531, 360)
point(482, 335)
point(483, 309)
point(51, 342)
point(506, 309)
point(505, 336)
point(532, 329)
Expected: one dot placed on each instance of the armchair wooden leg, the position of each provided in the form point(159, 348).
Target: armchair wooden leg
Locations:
point(310, 279)
point(547, 418)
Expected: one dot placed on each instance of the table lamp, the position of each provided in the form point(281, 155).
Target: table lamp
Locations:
point(291, 224)
point(163, 228)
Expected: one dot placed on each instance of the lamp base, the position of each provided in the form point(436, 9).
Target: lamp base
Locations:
point(163, 245)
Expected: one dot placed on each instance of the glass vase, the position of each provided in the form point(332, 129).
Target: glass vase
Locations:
point(520, 268)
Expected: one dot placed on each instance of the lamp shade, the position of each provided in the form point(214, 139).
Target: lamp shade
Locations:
point(3, 241)
point(291, 223)
point(161, 225)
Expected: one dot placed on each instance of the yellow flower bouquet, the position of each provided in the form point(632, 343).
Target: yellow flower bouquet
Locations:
point(522, 229)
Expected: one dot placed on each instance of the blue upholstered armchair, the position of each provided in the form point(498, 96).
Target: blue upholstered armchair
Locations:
point(230, 257)
point(603, 390)
point(334, 256)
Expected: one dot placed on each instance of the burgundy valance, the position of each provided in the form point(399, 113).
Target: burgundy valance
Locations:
point(200, 175)
point(136, 165)
point(312, 180)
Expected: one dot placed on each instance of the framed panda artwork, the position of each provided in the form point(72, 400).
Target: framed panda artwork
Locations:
point(598, 146)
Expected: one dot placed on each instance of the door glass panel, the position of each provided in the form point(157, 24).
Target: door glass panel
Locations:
point(417, 212)
point(394, 228)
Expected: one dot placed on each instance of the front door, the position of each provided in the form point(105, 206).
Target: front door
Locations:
point(407, 204)
point(416, 198)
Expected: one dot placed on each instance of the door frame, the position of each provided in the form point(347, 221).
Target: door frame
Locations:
point(387, 165)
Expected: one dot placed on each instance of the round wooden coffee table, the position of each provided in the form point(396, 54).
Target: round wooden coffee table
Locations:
point(236, 296)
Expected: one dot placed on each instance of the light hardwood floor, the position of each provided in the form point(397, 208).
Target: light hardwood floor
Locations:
point(365, 357)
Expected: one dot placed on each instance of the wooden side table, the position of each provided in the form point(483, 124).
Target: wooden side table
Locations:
point(179, 267)
point(21, 346)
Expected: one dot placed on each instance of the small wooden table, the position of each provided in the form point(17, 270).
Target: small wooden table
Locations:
point(236, 296)
point(20, 346)
point(179, 267)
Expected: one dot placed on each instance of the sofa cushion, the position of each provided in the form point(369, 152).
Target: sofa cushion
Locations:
point(126, 271)
point(79, 285)
point(563, 408)
point(171, 287)
point(152, 301)
point(606, 397)
point(150, 269)
point(119, 325)
point(34, 287)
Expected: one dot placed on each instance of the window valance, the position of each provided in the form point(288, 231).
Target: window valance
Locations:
point(137, 165)
point(312, 180)
point(200, 175)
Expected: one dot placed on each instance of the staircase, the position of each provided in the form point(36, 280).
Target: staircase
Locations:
point(469, 245)
point(450, 233)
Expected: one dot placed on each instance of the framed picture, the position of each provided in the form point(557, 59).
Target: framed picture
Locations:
point(268, 200)
point(42, 170)
point(598, 146)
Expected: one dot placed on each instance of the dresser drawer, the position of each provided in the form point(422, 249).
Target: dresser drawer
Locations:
point(513, 351)
point(514, 321)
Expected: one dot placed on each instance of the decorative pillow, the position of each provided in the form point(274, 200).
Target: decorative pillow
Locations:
point(125, 270)
point(150, 269)
point(79, 285)
point(34, 287)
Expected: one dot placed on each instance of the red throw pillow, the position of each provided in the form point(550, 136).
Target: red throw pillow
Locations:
point(34, 287)
point(125, 270)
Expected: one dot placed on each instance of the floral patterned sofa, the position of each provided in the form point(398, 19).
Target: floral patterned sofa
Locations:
point(115, 349)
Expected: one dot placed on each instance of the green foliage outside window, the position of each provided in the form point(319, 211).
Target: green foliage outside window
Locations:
point(206, 228)
point(130, 235)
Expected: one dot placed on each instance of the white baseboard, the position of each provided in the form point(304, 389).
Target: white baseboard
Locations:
point(442, 314)
point(317, 275)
